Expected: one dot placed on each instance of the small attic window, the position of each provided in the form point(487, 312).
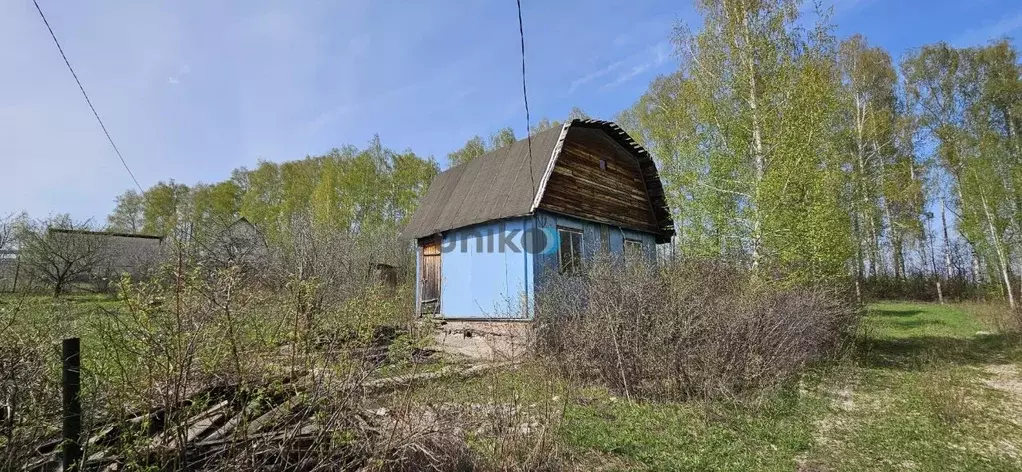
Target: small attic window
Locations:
point(603, 164)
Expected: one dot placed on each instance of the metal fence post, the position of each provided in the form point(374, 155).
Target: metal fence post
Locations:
point(71, 447)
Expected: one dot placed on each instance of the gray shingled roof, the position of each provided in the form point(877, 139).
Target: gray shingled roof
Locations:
point(493, 186)
point(497, 185)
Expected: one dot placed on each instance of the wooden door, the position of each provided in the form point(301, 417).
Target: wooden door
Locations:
point(429, 277)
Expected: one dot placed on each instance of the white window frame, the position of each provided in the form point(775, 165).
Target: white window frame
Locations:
point(574, 260)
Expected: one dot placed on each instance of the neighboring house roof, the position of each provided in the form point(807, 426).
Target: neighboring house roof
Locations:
point(119, 252)
point(498, 184)
point(242, 221)
point(243, 232)
point(105, 233)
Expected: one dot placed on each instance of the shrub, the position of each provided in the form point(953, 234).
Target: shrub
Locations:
point(923, 287)
point(29, 376)
point(692, 329)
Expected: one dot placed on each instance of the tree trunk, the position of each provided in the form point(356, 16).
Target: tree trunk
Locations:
point(947, 241)
point(757, 142)
point(895, 237)
point(976, 273)
point(874, 260)
point(933, 265)
point(899, 257)
point(1001, 259)
point(862, 213)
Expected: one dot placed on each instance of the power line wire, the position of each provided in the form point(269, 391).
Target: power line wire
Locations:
point(525, 95)
point(93, 108)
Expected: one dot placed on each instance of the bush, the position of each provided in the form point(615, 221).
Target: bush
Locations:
point(688, 329)
point(923, 287)
point(29, 376)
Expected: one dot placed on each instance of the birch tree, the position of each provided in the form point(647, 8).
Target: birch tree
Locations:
point(969, 104)
point(764, 98)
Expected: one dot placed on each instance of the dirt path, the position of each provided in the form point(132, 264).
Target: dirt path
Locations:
point(929, 390)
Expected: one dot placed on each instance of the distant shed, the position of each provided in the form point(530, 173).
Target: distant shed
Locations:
point(118, 253)
point(489, 232)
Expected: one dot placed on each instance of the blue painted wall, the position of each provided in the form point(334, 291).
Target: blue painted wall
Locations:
point(487, 273)
point(547, 264)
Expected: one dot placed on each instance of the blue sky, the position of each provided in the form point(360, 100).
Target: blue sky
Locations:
point(191, 90)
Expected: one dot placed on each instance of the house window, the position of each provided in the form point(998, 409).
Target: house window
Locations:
point(633, 249)
point(570, 250)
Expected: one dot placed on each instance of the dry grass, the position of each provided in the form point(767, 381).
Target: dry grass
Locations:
point(294, 382)
point(997, 315)
point(295, 374)
point(687, 329)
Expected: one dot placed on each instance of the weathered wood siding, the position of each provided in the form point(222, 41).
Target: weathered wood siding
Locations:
point(615, 194)
point(429, 275)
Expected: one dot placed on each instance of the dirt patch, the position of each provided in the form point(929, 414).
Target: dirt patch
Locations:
point(1006, 378)
point(481, 340)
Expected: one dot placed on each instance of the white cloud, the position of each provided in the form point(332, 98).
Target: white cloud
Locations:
point(176, 78)
point(203, 88)
point(575, 84)
point(977, 36)
point(653, 57)
point(55, 155)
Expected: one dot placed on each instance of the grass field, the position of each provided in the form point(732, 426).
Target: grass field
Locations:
point(932, 388)
point(928, 387)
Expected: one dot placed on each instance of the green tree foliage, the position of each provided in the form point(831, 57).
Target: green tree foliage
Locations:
point(127, 216)
point(886, 197)
point(167, 210)
point(780, 147)
point(348, 191)
point(544, 124)
point(476, 146)
point(503, 137)
point(809, 157)
point(745, 131)
point(968, 104)
point(214, 207)
point(576, 113)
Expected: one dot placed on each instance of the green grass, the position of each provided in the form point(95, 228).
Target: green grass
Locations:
point(896, 320)
point(919, 399)
point(49, 319)
point(912, 397)
point(713, 436)
point(929, 387)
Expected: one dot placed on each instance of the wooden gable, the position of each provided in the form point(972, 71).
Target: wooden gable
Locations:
point(595, 178)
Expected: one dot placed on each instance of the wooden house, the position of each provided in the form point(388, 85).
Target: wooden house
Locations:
point(109, 254)
point(490, 232)
point(239, 243)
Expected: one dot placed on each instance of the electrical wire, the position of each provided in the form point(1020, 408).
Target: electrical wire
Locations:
point(87, 100)
point(525, 95)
